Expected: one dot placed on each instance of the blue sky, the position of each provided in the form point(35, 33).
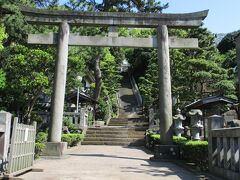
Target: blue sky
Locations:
point(224, 16)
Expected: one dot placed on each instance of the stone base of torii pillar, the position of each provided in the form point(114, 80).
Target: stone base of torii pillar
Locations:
point(55, 149)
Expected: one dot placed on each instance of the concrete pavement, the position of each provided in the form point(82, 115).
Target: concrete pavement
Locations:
point(107, 163)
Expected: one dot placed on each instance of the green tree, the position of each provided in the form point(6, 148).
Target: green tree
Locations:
point(228, 42)
point(28, 74)
point(2, 73)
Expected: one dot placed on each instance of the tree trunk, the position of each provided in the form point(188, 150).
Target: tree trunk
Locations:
point(31, 104)
point(98, 78)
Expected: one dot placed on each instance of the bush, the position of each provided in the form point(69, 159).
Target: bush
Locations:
point(72, 139)
point(41, 137)
point(191, 151)
point(179, 140)
point(39, 148)
point(195, 152)
point(71, 127)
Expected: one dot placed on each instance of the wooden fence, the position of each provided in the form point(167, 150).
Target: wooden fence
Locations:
point(22, 148)
point(224, 153)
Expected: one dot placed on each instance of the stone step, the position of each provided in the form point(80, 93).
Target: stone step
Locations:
point(112, 139)
point(119, 129)
point(130, 134)
point(113, 143)
point(108, 135)
point(138, 120)
point(129, 123)
point(104, 143)
point(107, 128)
point(115, 136)
point(130, 131)
point(119, 119)
point(118, 124)
point(105, 132)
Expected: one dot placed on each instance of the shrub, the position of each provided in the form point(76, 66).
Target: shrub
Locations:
point(71, 127)
point(195, 152)
point(179, 140)
point(192, 151)
point(72, 139)
point(41, 137)
point(39, 148)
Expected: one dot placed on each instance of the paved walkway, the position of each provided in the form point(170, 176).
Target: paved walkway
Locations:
point(107, 163)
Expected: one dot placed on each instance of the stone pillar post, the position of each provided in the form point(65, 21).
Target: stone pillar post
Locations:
point(165, 95)
point(57, 102)
point(5, 127)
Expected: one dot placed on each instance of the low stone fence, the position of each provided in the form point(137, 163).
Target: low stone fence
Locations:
point(79, 119)
point(224, 153)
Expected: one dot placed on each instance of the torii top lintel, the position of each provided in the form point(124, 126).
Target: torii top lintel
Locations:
point(42, 16)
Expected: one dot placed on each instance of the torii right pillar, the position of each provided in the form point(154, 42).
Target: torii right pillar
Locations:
point(166, 149)
point(165, 95)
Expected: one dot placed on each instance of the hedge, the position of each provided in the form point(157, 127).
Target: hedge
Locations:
point(195, 152)
point(72, 139)
point(191, 151)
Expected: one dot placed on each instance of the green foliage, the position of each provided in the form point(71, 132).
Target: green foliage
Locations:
point(148, 84)
point(195, 73)
point(195, 152)
point(39, 148)
point(28, 73)
point(109, 68)
point(191, 151)
point(2, 79)
point(228, 42)
point(71, 127)
point(3, 36)
point(179, 140)
point(153, 138)
point(41, 137)
point(72, 139)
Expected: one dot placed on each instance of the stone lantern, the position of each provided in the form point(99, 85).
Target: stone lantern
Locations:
point(178, 118)
point(195, 125)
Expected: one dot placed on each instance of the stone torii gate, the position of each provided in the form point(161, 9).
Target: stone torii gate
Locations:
point(111, 19)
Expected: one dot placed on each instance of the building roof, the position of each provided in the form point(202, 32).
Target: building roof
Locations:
point(201, 103)
point(82, 97)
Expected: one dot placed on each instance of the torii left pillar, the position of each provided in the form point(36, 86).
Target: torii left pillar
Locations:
point(55, 147)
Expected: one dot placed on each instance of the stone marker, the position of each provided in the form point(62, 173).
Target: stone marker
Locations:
point(215, 122)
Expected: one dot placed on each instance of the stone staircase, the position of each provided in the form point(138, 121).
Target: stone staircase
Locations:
point(128, 129)
point(122, 132)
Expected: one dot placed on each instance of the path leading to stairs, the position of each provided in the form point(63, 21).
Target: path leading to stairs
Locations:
point(128, 102)
point(107, 163)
